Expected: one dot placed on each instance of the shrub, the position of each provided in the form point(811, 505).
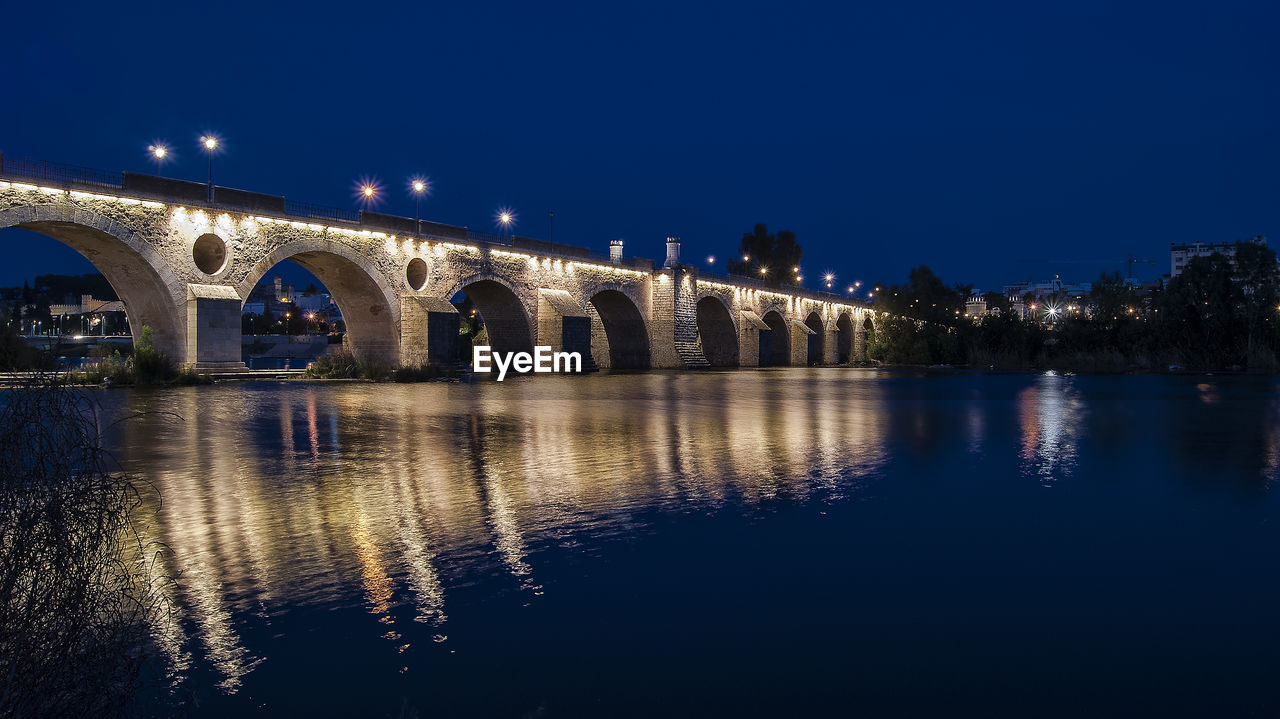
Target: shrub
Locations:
point(423, 373)
point(150, 365)
point(79, 590)
point(339, 365)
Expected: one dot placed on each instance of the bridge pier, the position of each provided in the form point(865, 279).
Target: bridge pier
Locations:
point(564, 326)
point(799, 343)
point(749, 338)
point(213, 327)
point(674, 319)
point(428, 331)
point(830, 341)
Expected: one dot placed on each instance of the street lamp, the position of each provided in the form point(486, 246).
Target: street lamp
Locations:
point(210, 144)
point(159, 152)
point(828, 277)
point(506, 218)
point(419, 189)
point(711, 260)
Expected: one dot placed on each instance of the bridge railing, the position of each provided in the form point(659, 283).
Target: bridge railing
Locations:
point(320, 212)
point(58, 173)
point(555, 249)
point(756, 283)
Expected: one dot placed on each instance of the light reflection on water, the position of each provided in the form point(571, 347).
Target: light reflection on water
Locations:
point(280, 494)
point(391, 500)
point(1051, 414)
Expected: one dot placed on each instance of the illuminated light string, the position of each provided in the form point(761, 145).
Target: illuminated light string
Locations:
point(201, 218)
point(78, 195)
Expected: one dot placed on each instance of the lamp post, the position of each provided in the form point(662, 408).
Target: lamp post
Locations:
point(419, 187)
point(367, 193)
point(506, 218)
point(158, 152)
point(210, 144)
point(551, 226)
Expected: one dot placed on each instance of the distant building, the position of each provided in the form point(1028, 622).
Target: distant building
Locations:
point(1181, 255)
point(976, 306)
point(318, 302)
point(88, 305)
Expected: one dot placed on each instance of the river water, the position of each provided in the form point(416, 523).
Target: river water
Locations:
point(773, 542)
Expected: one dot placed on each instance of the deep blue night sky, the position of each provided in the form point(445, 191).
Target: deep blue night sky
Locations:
point(885, 135)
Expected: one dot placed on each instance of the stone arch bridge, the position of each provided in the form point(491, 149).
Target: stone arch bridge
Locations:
point(184, 256)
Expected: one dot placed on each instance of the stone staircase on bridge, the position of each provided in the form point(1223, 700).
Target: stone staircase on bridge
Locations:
point(691, 355)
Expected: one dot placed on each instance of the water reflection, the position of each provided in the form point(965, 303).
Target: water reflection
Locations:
point(282, 496)
point(1050, 412)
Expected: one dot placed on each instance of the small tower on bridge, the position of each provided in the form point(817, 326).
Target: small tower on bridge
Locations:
point(673, 252)
point(615, 251)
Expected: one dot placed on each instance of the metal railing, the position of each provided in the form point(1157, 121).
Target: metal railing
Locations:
point(59, 173)
point(320, 212)
point(477, 236)
point(756, 283)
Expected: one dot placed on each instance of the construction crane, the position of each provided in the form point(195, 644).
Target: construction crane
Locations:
point(1135, 261)
point(1129, 261)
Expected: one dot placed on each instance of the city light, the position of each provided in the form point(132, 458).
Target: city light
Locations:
point(420, 187)
point(746, 258)
point(159, 152)
point(368, 191)
point(764, 271)
point(506, 218)
point(210, 144)
point(711, 259)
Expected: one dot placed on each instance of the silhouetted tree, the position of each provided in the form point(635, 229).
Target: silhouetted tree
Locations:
point(777, 254)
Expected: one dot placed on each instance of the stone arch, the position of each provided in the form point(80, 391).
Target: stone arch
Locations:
point(817, 340)
point(844, 338)
point(775, 344)
point(506, 319)
point(625, 332)
point(864, 333)
point(369, 307)
point(152, 295)
point(717, 332)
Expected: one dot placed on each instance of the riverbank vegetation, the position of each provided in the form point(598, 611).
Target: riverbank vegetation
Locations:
point(1216, 315)
point(80, 591)
point(145, 365)
point(345, 365)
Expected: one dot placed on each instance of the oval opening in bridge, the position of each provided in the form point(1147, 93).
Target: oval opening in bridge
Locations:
point(416, 273)
point(209, 253)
